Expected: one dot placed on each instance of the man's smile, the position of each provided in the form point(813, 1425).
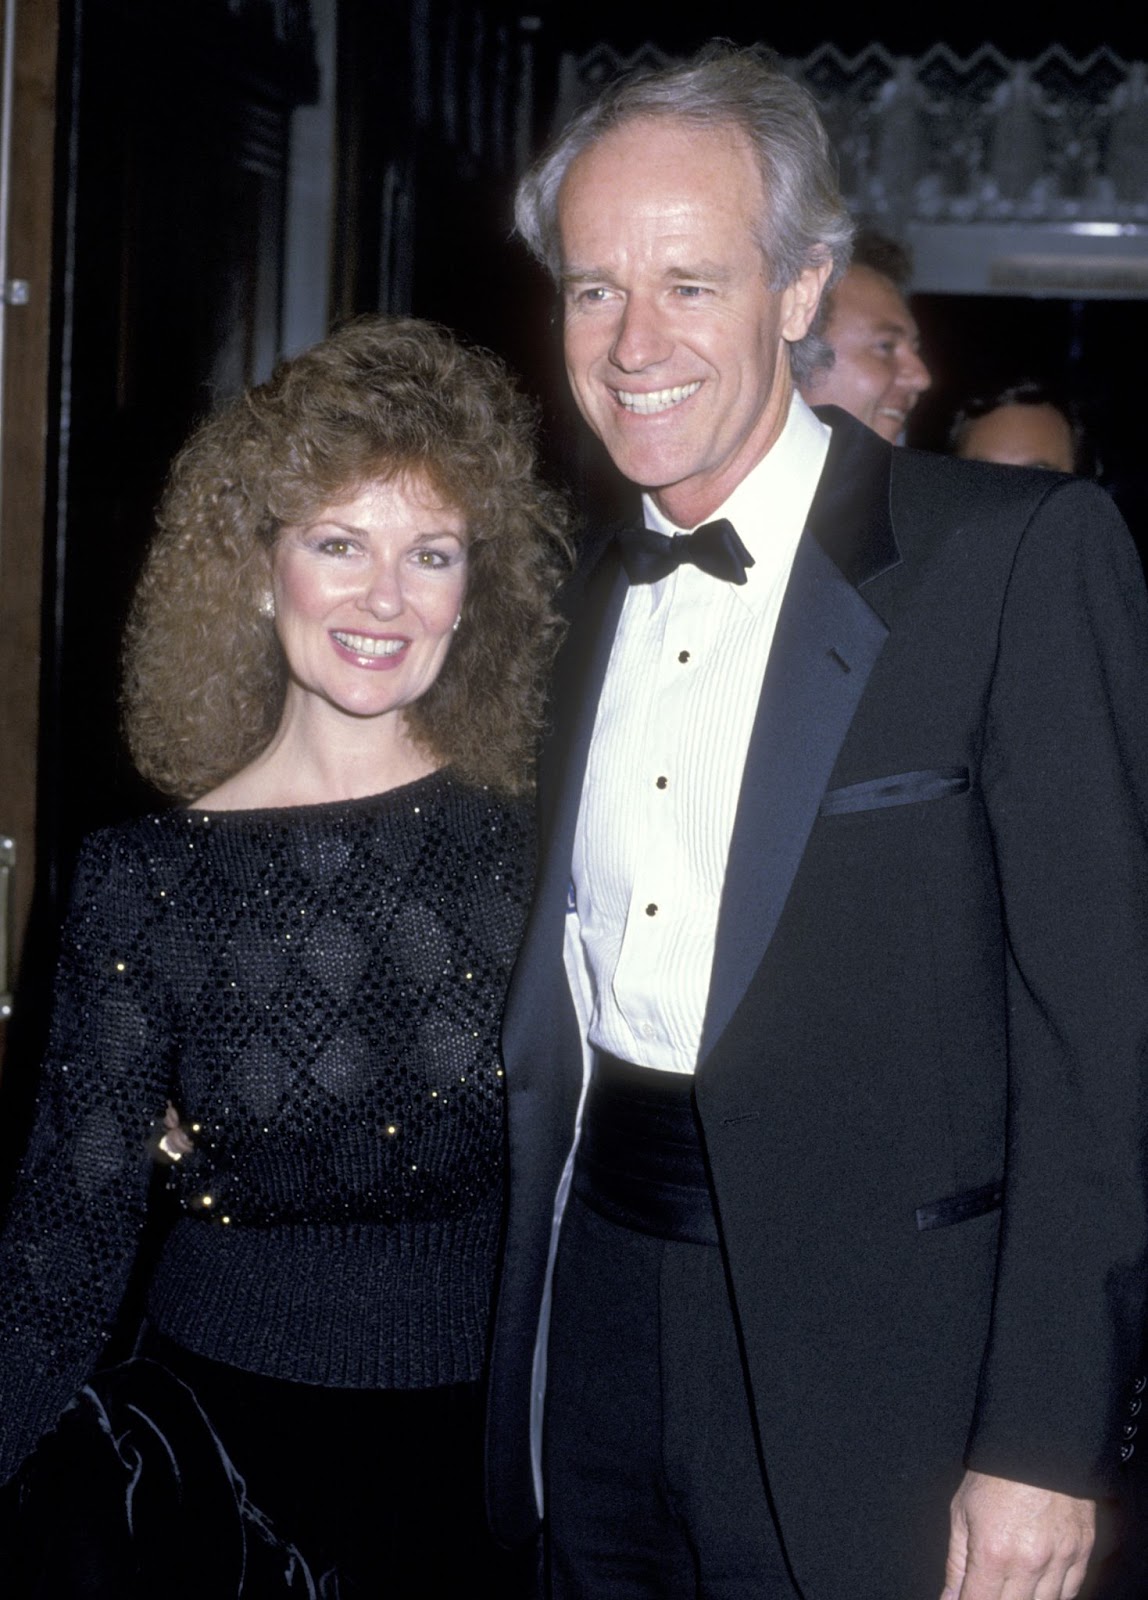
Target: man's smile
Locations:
point(655, 400)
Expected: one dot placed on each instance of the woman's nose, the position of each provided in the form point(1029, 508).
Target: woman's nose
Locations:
point(383, 595)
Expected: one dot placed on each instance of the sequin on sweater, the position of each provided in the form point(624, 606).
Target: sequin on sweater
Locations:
point(317, 991)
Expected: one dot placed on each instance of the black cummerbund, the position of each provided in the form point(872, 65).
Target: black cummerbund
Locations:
point(641, 1162)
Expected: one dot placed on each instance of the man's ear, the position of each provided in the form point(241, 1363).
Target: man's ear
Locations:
point(800, 300)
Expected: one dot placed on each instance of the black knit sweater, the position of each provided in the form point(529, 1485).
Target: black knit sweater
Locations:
point(317, 991)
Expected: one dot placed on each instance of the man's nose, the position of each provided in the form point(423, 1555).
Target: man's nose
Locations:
point(639, 340)
point(913, 374)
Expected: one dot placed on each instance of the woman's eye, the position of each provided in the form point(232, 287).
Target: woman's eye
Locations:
point(335, 547)
point(431, 558)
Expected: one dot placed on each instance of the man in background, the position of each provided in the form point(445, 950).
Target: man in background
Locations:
point(876, 374)
point(1023, 425)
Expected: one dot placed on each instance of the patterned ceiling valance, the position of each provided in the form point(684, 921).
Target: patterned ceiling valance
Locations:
point(945, 138)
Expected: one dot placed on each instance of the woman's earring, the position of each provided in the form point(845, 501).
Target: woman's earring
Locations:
point(457, 620)
point(267, 605)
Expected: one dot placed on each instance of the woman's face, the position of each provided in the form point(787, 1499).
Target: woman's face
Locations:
point(367, 595)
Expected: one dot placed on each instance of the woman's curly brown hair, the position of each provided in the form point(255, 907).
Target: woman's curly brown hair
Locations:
point(205, 678)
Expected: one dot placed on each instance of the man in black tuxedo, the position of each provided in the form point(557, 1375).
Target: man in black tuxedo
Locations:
point(824, 1054)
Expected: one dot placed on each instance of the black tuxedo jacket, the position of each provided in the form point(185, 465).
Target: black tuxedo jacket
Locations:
point(921, 1080)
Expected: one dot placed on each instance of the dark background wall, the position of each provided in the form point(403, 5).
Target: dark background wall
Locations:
point(172, 143)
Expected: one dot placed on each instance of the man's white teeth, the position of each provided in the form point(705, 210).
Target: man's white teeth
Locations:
point(657, 400)
point(363, 645)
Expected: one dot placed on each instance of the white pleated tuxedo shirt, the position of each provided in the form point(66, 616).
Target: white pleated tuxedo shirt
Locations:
point(665, 765)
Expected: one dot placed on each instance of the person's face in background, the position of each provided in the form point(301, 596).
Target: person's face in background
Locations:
point(1020, 436)
point(877, 374)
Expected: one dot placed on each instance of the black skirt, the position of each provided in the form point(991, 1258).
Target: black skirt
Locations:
point(172, 1475)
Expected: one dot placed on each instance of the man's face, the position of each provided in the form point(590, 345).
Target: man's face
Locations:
point(876, 374)
point(675, 343)
point(1020, 436)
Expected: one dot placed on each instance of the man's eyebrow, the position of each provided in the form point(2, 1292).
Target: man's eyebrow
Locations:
point(575, 275)
point(699, 271)
point(893, 325)
point(706, 271)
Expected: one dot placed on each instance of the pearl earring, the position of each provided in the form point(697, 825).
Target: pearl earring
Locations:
point(267, 605)
point(457, 620)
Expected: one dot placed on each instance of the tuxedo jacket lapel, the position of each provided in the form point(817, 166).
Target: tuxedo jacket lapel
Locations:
point(577, 691)
point(826, 642)
point(578, 684)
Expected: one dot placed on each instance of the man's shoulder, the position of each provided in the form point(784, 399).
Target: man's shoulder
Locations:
point(976, 538)
point(948, 482)
point(935, 497)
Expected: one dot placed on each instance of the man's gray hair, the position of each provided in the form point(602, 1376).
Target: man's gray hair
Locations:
point(805, 221)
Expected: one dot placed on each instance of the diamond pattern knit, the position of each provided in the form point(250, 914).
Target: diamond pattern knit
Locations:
point(317, 991)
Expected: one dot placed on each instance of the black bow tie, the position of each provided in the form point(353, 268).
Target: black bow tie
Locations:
point(714, 547)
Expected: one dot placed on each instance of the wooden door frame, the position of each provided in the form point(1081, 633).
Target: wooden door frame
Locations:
point(24, 440)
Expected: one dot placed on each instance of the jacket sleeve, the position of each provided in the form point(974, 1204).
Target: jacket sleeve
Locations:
point(1065, 774)
point(78, 1207)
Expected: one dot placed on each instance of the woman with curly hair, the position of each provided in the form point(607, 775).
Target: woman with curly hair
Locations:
point(282, 999)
